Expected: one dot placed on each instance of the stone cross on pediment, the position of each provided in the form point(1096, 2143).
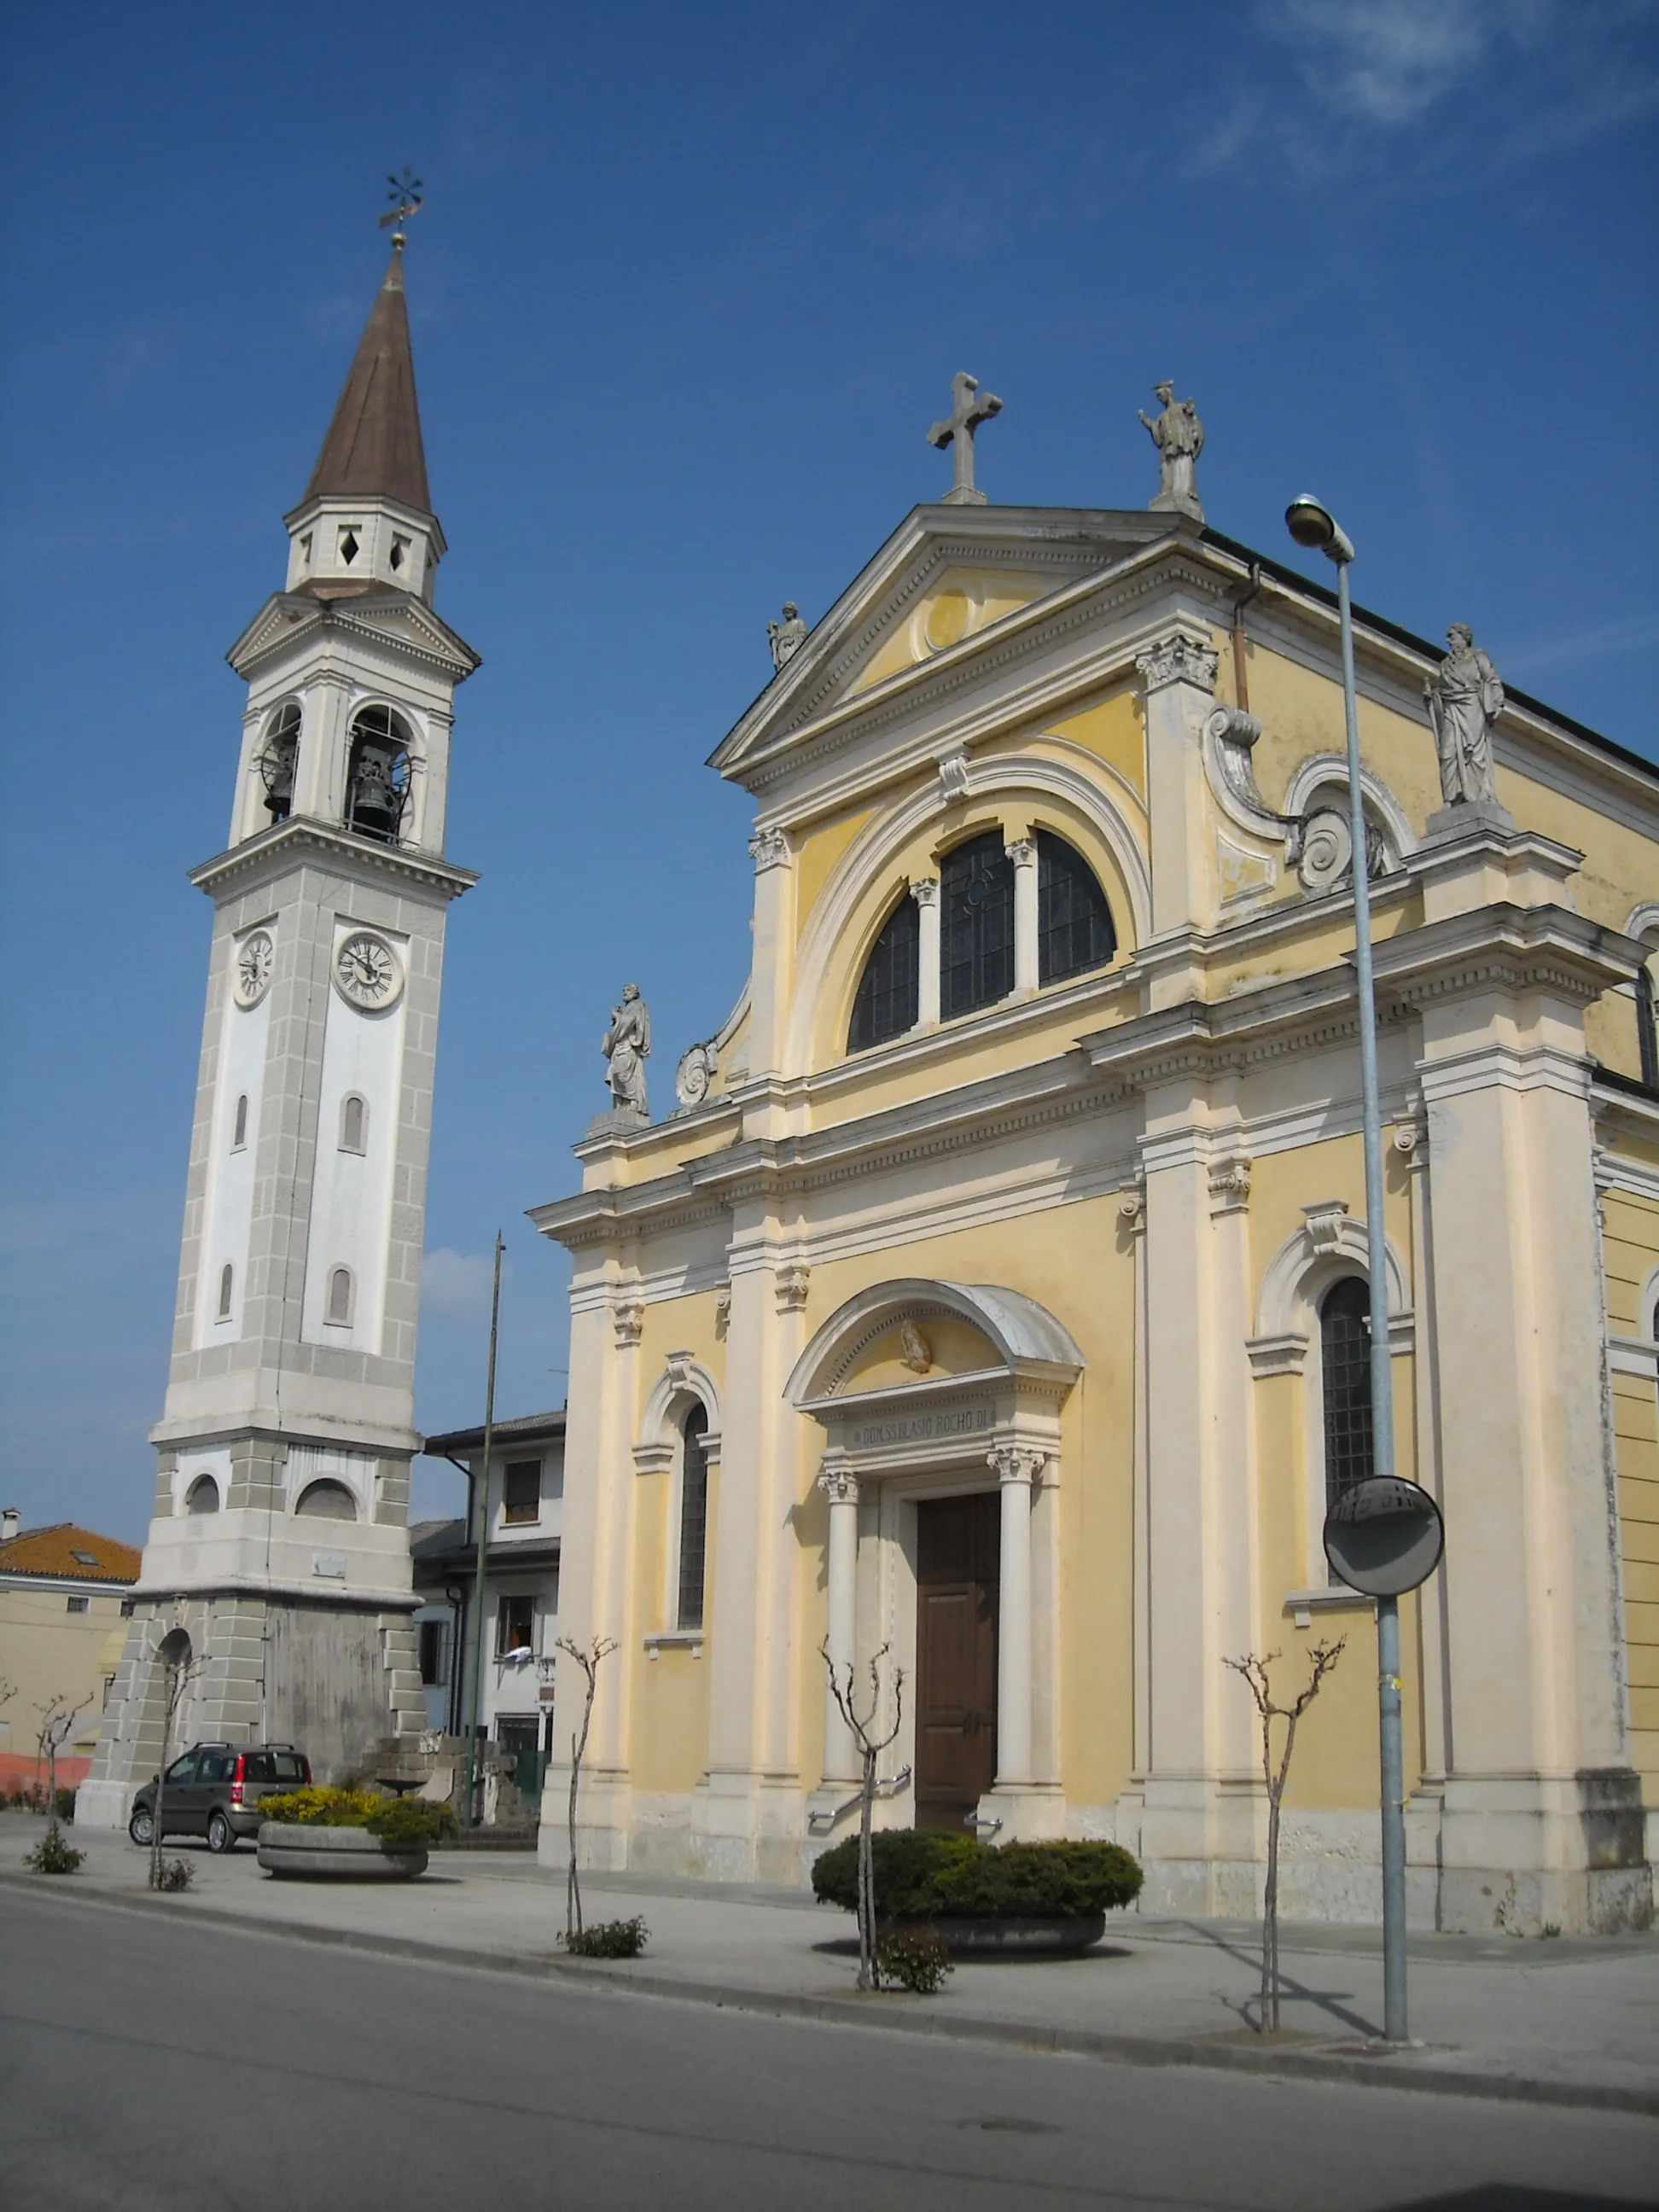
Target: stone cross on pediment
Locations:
point(970, 407)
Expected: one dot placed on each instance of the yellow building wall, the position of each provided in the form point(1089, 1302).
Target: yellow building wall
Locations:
point(46, 1651)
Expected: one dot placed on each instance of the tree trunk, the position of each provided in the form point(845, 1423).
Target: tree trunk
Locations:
point(866, 1879)
point(1270, 1921)
point(573, 1888)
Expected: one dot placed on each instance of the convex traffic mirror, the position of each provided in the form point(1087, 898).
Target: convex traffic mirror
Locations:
point(1383, 1535)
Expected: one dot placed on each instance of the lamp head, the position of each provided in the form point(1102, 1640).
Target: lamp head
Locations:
point(1316, 528)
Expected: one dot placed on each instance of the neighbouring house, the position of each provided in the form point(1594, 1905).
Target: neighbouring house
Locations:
point(523, 1506)
point(64, 1598)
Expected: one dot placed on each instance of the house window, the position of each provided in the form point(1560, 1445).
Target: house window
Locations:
point(79, 1605)
point(976, 926)
point(693, 1518)
point(1074, 924)
point(339, 1297)
point(353, 1124)
point(1345, 1354)
point(240, 1136)
point(227, 1284)
point(515, 1624)
point(434, 1653)
point(521, 1499)
point(886, 1006)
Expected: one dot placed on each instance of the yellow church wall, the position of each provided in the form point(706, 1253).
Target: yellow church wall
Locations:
point(1334, 1765)
point(812, 1523)
point(1114, 728)
point(1301, 713)
point(956, 1349)
point(820, 849)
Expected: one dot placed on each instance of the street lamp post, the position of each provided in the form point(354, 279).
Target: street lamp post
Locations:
point(1315, 527)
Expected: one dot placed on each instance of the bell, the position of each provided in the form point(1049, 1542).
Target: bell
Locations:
point(376, 807)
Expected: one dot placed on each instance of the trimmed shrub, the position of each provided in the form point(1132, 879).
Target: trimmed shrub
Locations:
point(919, 1875)
point(912, 1958)
point(175, 1875)
point(314, 1806)
point(66, 1805)
point(52, 1855)
point(407, 1823)
point(610, 1939)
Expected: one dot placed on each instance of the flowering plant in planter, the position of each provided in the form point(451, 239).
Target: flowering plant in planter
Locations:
point(922, 1875)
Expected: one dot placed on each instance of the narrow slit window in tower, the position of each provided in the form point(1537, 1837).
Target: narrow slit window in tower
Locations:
point(227, 1284)
point(693, 1518)
point(339, 1297)
point(240, 1136)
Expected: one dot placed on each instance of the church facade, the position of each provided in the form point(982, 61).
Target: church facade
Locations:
point(277, 1563)
point(991, 1311)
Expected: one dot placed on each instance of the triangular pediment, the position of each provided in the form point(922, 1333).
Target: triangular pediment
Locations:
point(387, 617)
point(947, 577)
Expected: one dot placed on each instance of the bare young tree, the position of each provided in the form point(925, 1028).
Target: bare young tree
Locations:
point(58, 1719)
point(588, 1659)
point(1254, 1669)
point(869, 1747)
point(178, 1672)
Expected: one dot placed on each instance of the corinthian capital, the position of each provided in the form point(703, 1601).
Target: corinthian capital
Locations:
point(839, 1487)
point(770, 848)
point(1015, 1462)
point(1182, 656)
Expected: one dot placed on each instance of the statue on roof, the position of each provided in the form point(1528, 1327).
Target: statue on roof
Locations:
point(625, 1044)
point(1179, 436)
point(787, 637)
point(1464, 697)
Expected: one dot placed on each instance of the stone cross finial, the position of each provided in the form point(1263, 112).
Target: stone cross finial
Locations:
point(968, 409)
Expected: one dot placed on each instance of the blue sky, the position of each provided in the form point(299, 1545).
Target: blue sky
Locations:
point(691, 285)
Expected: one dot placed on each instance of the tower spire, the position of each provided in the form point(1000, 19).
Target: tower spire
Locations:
point(374, 448)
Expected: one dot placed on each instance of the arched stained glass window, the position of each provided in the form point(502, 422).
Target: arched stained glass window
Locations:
point(976, 926)
point(693, 1518)
point(1074, 923)
point(1345, 1355)
point(886, 1003)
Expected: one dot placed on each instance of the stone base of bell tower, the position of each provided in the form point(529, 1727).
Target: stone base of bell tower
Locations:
point(332, 1680)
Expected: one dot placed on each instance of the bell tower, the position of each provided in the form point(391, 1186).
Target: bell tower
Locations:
point(278, 1539)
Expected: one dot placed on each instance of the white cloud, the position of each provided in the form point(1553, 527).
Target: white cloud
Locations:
point(455, 1282)
point(1388, 61)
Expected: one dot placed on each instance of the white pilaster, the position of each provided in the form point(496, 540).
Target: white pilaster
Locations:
point(924, 890)
point(1015, 1470)
point(1179, 673)
point(772, 968)
point(840, 1757)
point(1022, 851)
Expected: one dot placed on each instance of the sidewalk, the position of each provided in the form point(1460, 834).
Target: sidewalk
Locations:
point(1570, 2020)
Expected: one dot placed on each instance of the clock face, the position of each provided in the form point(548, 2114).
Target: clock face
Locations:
point(253, 958)
point(368, 972)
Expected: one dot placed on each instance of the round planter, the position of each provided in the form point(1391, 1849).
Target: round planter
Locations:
point(288, 1847)
point(1022, 1936)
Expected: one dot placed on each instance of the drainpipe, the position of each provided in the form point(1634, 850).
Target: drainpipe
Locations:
point(1241, 681)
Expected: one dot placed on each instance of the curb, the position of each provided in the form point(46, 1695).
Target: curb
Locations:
point(1380, 2070)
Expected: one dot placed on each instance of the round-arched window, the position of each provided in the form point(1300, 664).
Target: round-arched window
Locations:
point(886, 1006)
point(1074, 923)
point(377, 775)
point(203, 1495)
point(1345, 1369)
point(278, 758)
point(327, 1501)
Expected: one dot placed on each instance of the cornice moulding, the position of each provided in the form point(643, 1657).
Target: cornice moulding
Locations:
point(274, 850)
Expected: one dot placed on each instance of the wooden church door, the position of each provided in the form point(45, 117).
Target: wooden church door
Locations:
point(958, 1550)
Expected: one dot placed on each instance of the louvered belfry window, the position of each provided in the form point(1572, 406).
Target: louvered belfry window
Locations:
point(1074, 923)
point(976, 926)
point(1344, 1347)
point(886, 1003)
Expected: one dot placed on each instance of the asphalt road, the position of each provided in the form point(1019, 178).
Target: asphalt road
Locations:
point(146, 2065)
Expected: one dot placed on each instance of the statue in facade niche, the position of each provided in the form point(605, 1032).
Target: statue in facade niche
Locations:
point(1464, 698)
point(625, 1044)
point(787, 637)
point(1179, 436)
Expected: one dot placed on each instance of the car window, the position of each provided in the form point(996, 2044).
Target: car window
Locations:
point(182, 1769)
point(216, 1766)
point(256, 1766)
point(288, 1767)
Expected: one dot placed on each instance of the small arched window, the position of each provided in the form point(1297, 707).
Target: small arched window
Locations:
point(377, 775)
point(976, 926)
point(693, 1517)
point(1345, 1368)
point(227, 1286)
point(339, 1297)
point(239, 1137)
point(353, 1124)
point(278, 757)
point(1074, 923)
point(327, 1501)
point(886, 1006)
point(203, 1495)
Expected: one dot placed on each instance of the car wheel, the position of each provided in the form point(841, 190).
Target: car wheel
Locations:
point(141, 1827)
point(221, 1836)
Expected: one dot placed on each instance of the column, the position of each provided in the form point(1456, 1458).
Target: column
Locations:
point(1015, 1470)
point(1022, 851)
point(772, 964)
point(839, 1758)
point(1179, 673)
point(924, 890)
